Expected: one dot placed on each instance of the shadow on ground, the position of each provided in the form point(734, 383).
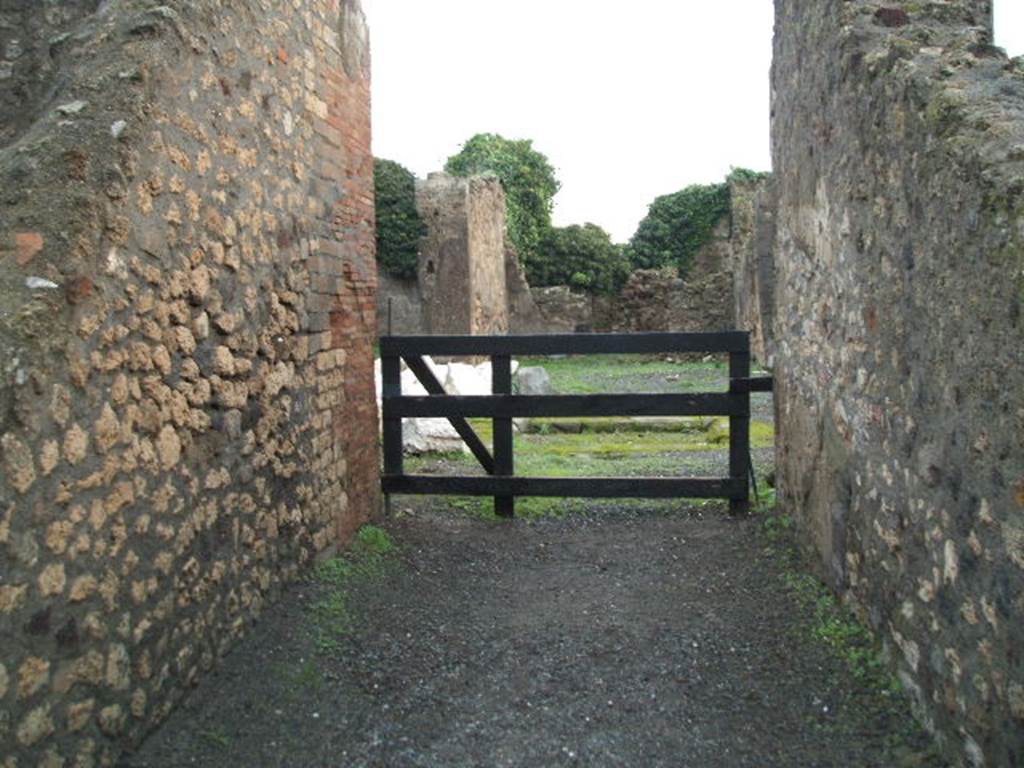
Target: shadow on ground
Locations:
point(628, 635)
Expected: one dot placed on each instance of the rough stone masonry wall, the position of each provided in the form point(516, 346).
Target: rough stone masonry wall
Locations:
point(399, 305)
point(462, 257)
point(753, 262)
point(898, 140)
point(651, 299)
point(186, 321)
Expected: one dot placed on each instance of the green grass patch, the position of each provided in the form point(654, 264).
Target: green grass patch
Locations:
point(330, 614)
point(607, 446)
point(551, 443)
point(591, 374)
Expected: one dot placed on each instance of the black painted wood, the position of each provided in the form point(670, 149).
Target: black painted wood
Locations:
point(502, 406)
point(391, 375)
point(504, 462)
point(739, 429)
point(754, 384)
point(497, 406)
point(566, 344)
point(430, 383)
point(575, 487)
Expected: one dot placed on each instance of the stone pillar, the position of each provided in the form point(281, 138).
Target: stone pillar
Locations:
point(462, 257)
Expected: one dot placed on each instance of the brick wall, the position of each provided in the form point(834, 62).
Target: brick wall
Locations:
point(188, 290)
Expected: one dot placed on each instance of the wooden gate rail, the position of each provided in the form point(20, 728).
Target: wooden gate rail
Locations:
point(502, 406)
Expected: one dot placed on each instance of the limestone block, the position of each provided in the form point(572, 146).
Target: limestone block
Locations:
point(533, 381)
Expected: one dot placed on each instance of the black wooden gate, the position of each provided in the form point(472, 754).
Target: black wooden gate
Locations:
point(502, 406)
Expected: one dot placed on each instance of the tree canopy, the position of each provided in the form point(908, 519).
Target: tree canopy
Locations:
point(529, 182)
point(399, 226)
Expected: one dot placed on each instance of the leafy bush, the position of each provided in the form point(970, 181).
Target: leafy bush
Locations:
point(399, 227)
point(529, 182)
point(582, 257)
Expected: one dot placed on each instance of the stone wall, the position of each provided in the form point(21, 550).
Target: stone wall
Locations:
point(651, 299)
point(34, 37)
point(464, 287)
point(187, 299)
point(897, 140)
point(753, 263)
point(462, 277)
point(399, 305)
point(523, 315)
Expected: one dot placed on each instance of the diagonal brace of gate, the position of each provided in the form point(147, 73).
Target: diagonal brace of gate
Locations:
point(434, 387)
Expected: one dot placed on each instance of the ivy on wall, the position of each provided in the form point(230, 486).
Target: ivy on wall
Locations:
point(679, 224)
point(399, 226)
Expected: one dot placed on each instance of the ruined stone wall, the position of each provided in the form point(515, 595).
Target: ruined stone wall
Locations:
point(462, 257)
point(187, 299)
point(523, 315)
point(753, 262)
point(559, 309)
point(897, 141)
point(400, 305)
point(660, 300)
point(651, 299)
point(488, 288)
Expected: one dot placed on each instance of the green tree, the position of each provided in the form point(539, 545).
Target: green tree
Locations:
point(677, 225)
point(399, 227)
point(529, 182)
point(582, 257)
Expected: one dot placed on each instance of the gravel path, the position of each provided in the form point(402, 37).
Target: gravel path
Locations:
point(604, 639)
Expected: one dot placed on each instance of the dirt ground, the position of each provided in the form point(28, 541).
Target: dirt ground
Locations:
point(625, 635)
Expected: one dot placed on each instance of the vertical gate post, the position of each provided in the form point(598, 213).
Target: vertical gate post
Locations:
point(391, 375)
point(739, 429)
point(501, 384)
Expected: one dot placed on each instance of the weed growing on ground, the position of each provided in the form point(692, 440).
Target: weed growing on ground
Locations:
point(217, 736)
point(830, 622)
point(766, 499)
point(373, 542)
point(299, 677)
point(330, 614)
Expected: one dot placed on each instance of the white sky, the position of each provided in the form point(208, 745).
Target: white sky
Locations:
point(628, 100)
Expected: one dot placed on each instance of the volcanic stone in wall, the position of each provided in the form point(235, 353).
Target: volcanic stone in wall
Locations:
point(752, 251)
point(187, 300)
point(899, 367)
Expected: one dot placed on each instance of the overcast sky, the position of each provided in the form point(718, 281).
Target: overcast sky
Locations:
point(627, 100)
